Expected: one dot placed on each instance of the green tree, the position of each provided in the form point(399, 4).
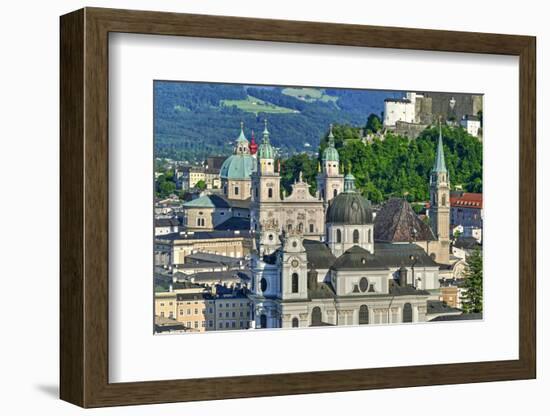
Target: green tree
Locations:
point(374, 124)
point(166, 188)
point(472, 298)
point(201, 185)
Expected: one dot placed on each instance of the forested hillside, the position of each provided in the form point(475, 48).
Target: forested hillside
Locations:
point(397, 166)
point(194, 120)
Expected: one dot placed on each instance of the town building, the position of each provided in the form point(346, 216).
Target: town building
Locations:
point(472, 124)
point(166, 226)
point(172, 249)
point(342, 276)
point(467, 209)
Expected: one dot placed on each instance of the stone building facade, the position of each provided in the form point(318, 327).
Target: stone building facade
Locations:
point(342, 276)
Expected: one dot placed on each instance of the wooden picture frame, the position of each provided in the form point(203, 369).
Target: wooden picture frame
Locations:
point(84, 207)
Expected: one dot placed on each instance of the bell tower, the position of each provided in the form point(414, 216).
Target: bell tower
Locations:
point(330, 182)
point(440, 203)
point(265, 198)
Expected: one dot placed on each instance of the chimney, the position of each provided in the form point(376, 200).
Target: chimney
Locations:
point(403, 276)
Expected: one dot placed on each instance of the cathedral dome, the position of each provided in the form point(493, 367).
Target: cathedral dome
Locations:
point(349, 208)
point(238, 167)
point(241, 164)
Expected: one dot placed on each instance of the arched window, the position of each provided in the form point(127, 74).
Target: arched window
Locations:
point(407, 313)
point(335, 192)
point(294, 282)
point(316, 319)
point(295, 323)
point(263, 321)
point(289, 227)
point(355, 236)
point(338, 236)
point(301, 227)
point(363, 315)
point(270, 192)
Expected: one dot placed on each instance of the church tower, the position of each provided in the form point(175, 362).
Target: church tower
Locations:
point(329, 180)
point(265, 198)
point(440, 203)
point(293, 267)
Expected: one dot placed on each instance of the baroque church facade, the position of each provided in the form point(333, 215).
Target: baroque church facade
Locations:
point(316, 260)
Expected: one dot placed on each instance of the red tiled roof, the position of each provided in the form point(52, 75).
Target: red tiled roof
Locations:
point(467, 200)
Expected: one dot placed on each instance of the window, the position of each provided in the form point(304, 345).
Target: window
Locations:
point(181, 311)
point(263, 284)
point(270, 192)
point(236, 191)
point(363, 315)
point(444, 200)
point(355, 236)
point(407, 313)
point(188, 311)
point(338, 236)
point(370, 236)
point(294, 282)
point(171, 314)
point(301, 227)
point(295, 323)
point(162, 314)
point(263, 321)
point(363, 284)
point(210, 324)
point(335, 192)
point(316, 317)
point(311, 228)
point(196, 311)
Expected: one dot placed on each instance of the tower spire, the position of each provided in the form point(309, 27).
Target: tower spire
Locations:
point(330, 136)
point(242, 137)
point(439, 165)
point(266, 132)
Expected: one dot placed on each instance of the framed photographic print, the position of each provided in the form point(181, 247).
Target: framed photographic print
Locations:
point(257, 207)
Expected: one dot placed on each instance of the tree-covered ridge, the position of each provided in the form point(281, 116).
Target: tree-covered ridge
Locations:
point(191, 121)
point(397, 166)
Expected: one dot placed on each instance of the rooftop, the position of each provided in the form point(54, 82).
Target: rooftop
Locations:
point(396, 222)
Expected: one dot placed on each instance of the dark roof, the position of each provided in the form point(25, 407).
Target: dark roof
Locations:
point(468, 243)
point(318, 254)
point(221, 275)
point(234, 223)
point(396, 290)
point(357, 258)
point(462, 317)
point(349, 208)
point(320, 290)
point(184, 285)
point(197, 265)
point(385, 255)
point(397, 100)
point(396, 222)
point(239, 203)
point(166, 222)
point(438, 306)
point(192, 296)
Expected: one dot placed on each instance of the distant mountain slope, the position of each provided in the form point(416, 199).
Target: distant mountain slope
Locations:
point(193, 120)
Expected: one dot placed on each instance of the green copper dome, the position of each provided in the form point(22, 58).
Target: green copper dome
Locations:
point(265, 150)
point(331, 154)
point(241, 164)
point(238, 167)
point(349, 208)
